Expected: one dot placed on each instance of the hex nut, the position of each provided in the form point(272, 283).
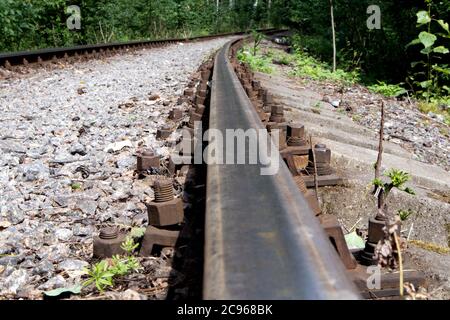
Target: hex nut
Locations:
point(165, 213)
point(147, 161)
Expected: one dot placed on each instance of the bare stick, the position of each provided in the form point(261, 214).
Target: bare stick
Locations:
point(316, 182)
point(381, 196)
point(334, 35)
point(380, 144)
point(400, 262)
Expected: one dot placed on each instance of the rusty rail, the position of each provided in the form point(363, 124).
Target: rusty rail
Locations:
point(262, 241)
point(18, 58)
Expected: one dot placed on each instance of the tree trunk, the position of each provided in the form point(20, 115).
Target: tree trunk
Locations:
point(334, 35)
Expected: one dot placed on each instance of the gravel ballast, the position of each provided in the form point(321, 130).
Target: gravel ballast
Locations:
point(68, 143)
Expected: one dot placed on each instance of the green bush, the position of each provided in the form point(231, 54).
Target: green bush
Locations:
point(388, 90)
point(256, 62)
point(308, 66)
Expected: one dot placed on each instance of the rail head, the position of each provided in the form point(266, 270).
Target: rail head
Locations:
point(262, 241)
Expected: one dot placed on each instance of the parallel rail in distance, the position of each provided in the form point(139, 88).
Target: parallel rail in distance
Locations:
point(16, 58)
point(262, 241)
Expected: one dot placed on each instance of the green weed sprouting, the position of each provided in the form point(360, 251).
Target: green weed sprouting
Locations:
point(102, 274)
point(387, 90)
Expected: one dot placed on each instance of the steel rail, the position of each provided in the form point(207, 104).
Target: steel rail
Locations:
point(16, 58)
point(262, 241)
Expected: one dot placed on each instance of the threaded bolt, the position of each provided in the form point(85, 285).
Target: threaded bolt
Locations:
point(109, 233)
point(163, 191)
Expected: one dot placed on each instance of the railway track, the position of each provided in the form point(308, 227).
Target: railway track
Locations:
point(9, 60)
point(262, 240)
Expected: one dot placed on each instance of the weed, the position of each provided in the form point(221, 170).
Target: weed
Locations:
point(387, 90)
point(75, 186)
point(307, 66)
point(398, 178)
point(256, 62)
point(282, 58)
point(129, 246)
point(356, 118)
point(102, 274)
point(437, 106)
point(430, 246)
point(405, 214)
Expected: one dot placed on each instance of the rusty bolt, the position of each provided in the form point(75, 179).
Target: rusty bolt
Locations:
point(199, 99)
point(108, 243)
point(165, 210)
point(163, 133)
point(268, 99)
point(195, 117)
point(203, 85)
point(206, 74)
point(202, 93)
point(147, 159)
point(295, 130)
point(323, 154)
point(176, 114)
point(200, 109)
point(277, 110)
point(189, 92)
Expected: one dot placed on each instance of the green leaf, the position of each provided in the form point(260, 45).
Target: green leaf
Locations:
point(57, 292)
point(414, 42)
point(423, 17)
point(426, 84)
point(444, 25)
point(378, 183)
point(354, 241)
point(427, 39)
point(441, 49)
point(426, 50)
point(137, 232)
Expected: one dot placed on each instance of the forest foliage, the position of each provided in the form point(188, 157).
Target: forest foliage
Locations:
point(391, 54)
point(31, 24)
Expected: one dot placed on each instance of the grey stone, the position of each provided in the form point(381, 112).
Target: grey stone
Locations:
point(72, 265)
point(126, 162)
point(80, 231)
point(35, 171)
point(78, 148)
point(87, 206)
point(54, 283)
point(15, 281)
point(44, 268)
point(64, 234)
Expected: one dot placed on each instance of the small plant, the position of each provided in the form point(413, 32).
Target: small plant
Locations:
point(397, 179)
point(405, 214)
point(75, 186)
point(432, 71)
point(387, 90)
point(308, 66)
point(256, 62)
point(438, 106)
point(257, 38)
point(129, 246)
point(282, 58)
point(102, 274)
